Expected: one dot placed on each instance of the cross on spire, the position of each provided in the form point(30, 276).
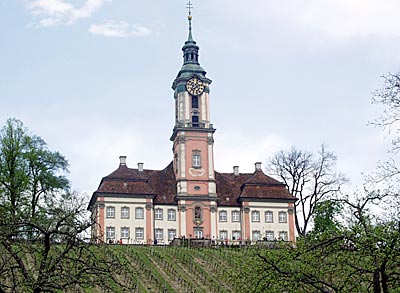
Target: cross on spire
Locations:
point(189, 6)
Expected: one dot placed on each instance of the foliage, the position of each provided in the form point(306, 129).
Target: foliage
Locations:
point(42, 223)
point(29, 172)
point(325, 217)
point(364, 256)
point(308, 177)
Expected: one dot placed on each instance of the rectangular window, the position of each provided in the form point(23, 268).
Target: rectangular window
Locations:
point(171, 215)
point(222, 216)
point(283, 235)
point(139, 213)
point(196, 160)
point(236, 235)
point(171, 234)
point(198, 232)
point(195, 102)
point(110, 212)
point(223, 234)
point(255, 216)
point(282, 217)
point(124, 213)
point(256, 235)
point(269, 217)
point(139, 233)
point(269, 235)
point(158, 214)
point(124, 232)
point(159, 234)
point(235, 216)
point(110, 232)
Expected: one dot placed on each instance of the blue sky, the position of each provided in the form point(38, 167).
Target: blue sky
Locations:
point(93, 78)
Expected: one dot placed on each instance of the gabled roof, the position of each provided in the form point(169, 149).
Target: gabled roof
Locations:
point(161, 186)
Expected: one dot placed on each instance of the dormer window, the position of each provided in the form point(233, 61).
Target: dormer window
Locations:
point(195, 102)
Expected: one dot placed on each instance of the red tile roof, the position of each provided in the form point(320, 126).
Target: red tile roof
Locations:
point(161, 185)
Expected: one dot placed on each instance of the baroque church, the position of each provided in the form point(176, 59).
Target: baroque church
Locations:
point(188, 198)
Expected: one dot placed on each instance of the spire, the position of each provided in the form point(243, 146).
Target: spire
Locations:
point(189, 7)
point(191, 65)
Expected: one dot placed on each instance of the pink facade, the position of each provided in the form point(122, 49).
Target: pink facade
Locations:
point(188, 197)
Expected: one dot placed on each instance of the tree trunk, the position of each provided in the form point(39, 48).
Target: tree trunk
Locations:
point(376, 280)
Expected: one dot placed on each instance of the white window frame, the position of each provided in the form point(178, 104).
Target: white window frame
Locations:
point(171, 215)
point(282, 217)
point(270, 235)
point(196, 160)
point(139, 233)
point(269, 219)
point(171, 234)
point(283, 235)
point(125, 212)
point(255, 216)
point(159, 233)
point(139, 215)
point(223, 218)
point(198, 233)
point(236, 235)
point(110, 212)
point(110, 232)
point(125, 232)
point(254, 233)
point(158, 214)
point(235, 218)
point(223, 233)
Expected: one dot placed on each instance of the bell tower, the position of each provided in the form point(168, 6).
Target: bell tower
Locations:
point(193, 144)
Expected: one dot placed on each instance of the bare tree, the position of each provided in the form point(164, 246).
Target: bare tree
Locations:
point(389, 97)
point(310, 178)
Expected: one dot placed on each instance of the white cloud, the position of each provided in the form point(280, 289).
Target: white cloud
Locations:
point(61, 12)
point(119, 29)
point(335, 18)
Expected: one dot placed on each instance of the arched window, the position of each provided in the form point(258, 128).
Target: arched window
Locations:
point(195, 102)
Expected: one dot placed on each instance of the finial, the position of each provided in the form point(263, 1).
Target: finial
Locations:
point(189, 6)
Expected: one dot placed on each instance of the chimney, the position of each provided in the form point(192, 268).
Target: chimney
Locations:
point(140, 167)
point(236, 170)
point(122, 160)
point(258, 166)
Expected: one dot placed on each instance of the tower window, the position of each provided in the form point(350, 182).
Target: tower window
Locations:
point(196, 160)
point(195, 121)
point(195, 102)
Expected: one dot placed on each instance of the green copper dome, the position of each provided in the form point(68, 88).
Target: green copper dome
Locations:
point(191, 65)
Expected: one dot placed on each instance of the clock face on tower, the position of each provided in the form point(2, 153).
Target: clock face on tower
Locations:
point(195, 86)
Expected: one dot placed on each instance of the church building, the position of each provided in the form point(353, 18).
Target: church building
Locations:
point(188, 198)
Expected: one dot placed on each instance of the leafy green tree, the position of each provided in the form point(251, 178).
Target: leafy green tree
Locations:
point(325, 217)
point(14, 178)
point(42, 223)
point(30, 174)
